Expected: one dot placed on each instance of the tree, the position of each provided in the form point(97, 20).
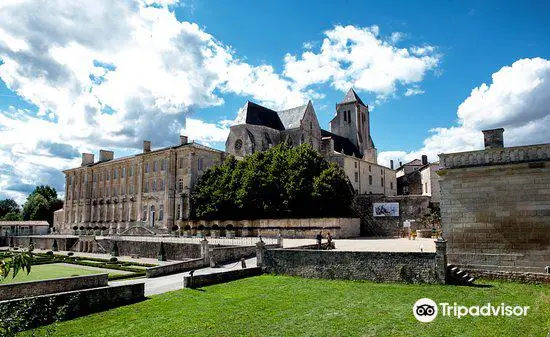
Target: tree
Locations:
point(8, 206)
point(41, 204)
point(13, 216)
point(278, 183)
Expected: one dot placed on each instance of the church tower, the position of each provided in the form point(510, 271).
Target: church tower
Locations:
point(352, 121)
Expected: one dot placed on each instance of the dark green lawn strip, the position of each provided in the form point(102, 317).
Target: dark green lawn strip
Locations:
point(290, 306)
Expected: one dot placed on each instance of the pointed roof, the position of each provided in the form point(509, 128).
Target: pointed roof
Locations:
point(352, 97)
point(256, 114)
point(291, 118)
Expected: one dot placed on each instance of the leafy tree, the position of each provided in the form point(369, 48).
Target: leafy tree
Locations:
point(8, 206)
point(281, 182)
point(12, 216)
point(41, 204)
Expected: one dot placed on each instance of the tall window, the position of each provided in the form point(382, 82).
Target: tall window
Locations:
point(155, 166)
point(123, 173)
point(162, 164)
point(391, 186)
point(345, 116)
point(180, 184)
point(382, 182)
point(349, 116)
point(115, 174)
point(200, 164)
point(144, 214)
point(146, 167)
point(178, 212)
point(146, 187)
point(131, 171)
point(123, 189)
point(370, 180)
point(154, 186)
point(162, 184)
point(181, 163)
point(107, 175)
point(161, 212)
point(356, 176)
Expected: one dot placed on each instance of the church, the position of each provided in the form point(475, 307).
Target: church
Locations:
point(348, 143)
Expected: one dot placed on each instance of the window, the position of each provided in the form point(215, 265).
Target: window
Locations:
point(154, 186)
point(355, 164)
point(146, 167)
point(107, 175)
point(161, 212)
point(144, 214)
point(71, 181)
point(162, 185)
point(310, 125)
point(131, 171)
point(345, 116)
point(199, 163)
point(131, 189)
point(370, 180)
point(391, 186)
point(155, 166)
point(356, 176)
point(123, 189)
point(115, 191)
point(180, 163)
point(115, 174)
point(426, 187)
point(349, 116)
point(382, 172)
point(123, 173)
point(146, 187)
point(382, 182)
point(369, 168)
point(178, 212)
point(180, 184)
point(163, 164)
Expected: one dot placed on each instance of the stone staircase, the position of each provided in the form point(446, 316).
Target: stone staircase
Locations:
point(457, 276)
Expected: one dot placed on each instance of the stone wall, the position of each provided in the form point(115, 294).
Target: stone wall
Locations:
point(43, 242)
point(198, 281)
point(35, 288)
point(78, 303)
point(495, 209)
point(150, 249)
point(373, 266)
point(177, 267)
point(410, 207)
point(288, 228)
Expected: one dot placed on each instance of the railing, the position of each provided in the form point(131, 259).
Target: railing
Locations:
point(240, 241)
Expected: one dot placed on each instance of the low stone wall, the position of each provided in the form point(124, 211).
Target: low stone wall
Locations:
point(77, 303)
point(44, 242)
point(287, 228)
point(36, 288)
point(150, 249)
point(510, 276)
point(198, 281)
point(373, 266)
point(228, 254)
point(177, 267)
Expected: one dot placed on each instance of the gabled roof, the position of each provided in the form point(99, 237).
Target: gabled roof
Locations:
point(352, 97)
point(256, 114)
point(291, 118)
point(342, 144)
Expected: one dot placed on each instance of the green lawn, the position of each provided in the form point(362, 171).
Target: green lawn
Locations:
point(291, 306)
point(48, 271)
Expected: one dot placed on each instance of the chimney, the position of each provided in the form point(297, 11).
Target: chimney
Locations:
point(400, 164)
point(391, 164)
point(493, 138)
point(183, 140)
point(105, 155)
point(87, 159)
point(424, 159)
point(146, 146)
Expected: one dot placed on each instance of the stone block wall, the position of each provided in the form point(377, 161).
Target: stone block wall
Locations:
point(373, 266)
point(34, 288)
point(410, 207)
point(150, 249)
point(495, 208)
point(43, 242)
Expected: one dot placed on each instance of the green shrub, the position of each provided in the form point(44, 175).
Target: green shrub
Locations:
point(113, 259)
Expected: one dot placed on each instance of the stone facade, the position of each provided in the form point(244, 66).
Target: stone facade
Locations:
point(495, 207)
point(429, 181)
point(149, 190)
point(348, 144)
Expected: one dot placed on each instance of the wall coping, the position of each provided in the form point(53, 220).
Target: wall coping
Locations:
point(495, 156)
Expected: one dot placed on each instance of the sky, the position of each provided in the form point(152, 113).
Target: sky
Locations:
point(81, 76)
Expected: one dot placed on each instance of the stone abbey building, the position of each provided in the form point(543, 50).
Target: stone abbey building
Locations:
point(149, 192)
point(348, 143)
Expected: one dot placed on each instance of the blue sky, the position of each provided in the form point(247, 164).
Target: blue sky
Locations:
point(111, 74)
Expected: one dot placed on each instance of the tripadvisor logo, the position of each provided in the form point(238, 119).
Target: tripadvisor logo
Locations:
point(426, 310)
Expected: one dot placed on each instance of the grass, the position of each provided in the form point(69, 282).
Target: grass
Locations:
point(290, 306)
point(48, 271)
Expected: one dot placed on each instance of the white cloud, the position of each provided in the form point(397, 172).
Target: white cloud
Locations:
point(206, 133)
point(517, 100)
point(358, 57)
point(413, 91)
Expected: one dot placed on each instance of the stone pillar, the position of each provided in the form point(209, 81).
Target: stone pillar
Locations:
point(260, 252)
point(205, 250)
point(441, 260)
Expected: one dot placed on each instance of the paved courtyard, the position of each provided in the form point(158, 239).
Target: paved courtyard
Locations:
point(372, 244)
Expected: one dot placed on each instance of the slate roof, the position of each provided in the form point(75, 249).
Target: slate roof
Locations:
point(352, 97)
point(256, 114)
point(291, 118)
point(342, 143)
